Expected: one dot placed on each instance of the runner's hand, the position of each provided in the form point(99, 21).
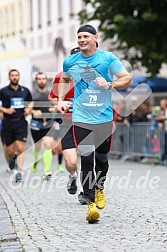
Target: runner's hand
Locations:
point(37, 113)
point(27, 111)
point(101, 82)
point(53, 109)
point(63, 106)
point(10, 111)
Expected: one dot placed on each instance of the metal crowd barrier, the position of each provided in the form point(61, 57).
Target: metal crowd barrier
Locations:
point(121, 140)
point(137, 140)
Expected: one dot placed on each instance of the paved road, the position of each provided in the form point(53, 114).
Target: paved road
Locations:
point(46, 218)
point(8, 237)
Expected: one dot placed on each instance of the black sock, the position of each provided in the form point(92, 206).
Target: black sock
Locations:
point(60, 156)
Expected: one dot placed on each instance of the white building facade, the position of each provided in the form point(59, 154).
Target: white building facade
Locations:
point(53, 25)
point(13, 41)
point(36, 35)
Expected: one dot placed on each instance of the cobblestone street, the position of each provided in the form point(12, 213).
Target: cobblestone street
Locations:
point(40, 215)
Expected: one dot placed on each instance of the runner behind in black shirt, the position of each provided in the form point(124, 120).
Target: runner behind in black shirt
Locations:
point(14, 125)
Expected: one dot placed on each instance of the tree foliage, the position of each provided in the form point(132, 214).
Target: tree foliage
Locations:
point(138, 28)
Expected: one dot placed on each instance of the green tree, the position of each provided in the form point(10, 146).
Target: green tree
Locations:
point(139, 29)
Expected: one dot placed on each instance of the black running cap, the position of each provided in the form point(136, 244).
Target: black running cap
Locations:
point(87, 28)
point(75, 50)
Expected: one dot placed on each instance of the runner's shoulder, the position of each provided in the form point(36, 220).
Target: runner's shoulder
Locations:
point(71, 59)
point(107, 54)
point(23, 88)
point(3, 89)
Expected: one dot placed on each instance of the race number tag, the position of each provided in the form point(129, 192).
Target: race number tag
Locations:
point(92, 98)
point(35, 125)
point(17, 102)
point(88, 76)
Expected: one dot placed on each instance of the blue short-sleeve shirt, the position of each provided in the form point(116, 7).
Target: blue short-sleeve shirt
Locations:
point(92, 104)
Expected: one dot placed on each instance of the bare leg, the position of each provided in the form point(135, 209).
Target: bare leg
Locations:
point(70, 158)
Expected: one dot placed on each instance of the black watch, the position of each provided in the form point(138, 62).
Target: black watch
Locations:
point(109, 85)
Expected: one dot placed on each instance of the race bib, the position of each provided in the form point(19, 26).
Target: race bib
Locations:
point(88, 76)
point(35, 125)
point(17, 102)
point(92, 98)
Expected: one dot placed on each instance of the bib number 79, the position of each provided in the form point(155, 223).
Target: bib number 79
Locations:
point(92, 98)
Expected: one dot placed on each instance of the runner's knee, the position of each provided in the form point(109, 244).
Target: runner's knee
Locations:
point(102, 157)
point(70, 163)
point(85, 150)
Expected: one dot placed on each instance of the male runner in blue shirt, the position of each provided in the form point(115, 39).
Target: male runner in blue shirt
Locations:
point(92, 71)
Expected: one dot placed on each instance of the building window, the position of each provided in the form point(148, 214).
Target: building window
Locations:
point(13, 20)
point(72, 33)
point(1, 30)
point(7, 21)
point(21, 19)
point(59, 46)
point(32, 43)
point(40, 41)
point(83, 5)
point(48, 12)
point(49, 39)
point(31, 14)
point(2, 23)
point(39, 14)
point(60, 11)
point(72, 11)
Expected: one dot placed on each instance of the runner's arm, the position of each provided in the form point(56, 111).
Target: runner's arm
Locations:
point(28, 109)
point(8, 111)
point(124, 80)
point(63, 89)
point(5, 110)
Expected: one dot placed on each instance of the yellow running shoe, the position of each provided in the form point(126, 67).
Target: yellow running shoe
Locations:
point(92, 214)
point(100, 199)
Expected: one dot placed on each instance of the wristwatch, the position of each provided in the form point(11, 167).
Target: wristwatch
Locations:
point(109, 85)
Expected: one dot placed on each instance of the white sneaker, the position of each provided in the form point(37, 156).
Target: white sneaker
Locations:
point(9, 170)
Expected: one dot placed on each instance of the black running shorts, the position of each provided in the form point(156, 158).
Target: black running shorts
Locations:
point(66, 134)
point(13, 130)
point(37, 135)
